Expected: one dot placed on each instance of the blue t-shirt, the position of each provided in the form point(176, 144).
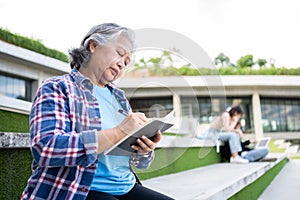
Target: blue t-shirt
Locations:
point(113, 175)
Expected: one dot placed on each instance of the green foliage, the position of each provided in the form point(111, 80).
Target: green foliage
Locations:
point(274, 148)
point(158, 66)
point(31, 44)
point(227, 70)
point(245, 61)
point(14, 173)
point(188, 71)
point(155, 60)
point(230, 70)
point(222, 60)
point(14, 122)
point(261, 62)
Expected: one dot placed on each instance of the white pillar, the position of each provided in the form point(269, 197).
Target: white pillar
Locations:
point(177, 108)
point(257, 117)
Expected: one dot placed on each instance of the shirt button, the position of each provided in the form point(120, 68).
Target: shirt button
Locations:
point(96, 118)
point(83, 189)
point(92, 166)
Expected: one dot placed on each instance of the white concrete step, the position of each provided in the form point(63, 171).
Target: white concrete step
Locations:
point(217, 181)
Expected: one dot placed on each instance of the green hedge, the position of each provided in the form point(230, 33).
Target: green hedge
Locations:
point(15, 170)
point(31, 44)
point(223, 71)
point(15, 166)
point(14, 122)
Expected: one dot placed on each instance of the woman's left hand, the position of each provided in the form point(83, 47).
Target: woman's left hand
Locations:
point(145, 145)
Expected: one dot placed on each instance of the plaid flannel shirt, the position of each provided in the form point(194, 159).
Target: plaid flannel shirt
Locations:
point(64, 121)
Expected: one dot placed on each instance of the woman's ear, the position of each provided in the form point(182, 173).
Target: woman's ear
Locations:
point(92, 46)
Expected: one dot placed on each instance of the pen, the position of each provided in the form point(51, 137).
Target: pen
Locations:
point(123, 112)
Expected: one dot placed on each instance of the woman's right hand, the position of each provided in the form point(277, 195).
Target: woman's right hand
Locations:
point(235, 119)
point(132, 122)
point(109, 137)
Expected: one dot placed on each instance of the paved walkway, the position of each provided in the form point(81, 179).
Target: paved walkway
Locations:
point(286, 185)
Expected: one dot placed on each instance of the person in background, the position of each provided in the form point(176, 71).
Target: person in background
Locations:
point(249, 153)
point(74, 119)
point(253, 154)
point(226, 128)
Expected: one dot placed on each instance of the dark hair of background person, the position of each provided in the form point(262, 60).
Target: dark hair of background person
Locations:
point(235, 109)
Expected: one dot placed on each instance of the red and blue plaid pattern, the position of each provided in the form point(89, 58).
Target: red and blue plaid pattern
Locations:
point(64, 121)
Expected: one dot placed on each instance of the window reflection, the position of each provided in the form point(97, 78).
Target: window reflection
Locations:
point(15, 87)
point(205, 109)
point(152, 107)
point(280, 115)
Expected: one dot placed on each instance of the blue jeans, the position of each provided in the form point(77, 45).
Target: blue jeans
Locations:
point(232, 138)
point(256, 154)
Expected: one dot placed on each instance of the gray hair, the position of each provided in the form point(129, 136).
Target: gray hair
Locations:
point(101, 34)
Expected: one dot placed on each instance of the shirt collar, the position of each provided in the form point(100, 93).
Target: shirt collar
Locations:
point(82, 80)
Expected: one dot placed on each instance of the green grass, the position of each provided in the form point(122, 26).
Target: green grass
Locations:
point(274, 148)
point(173, 134)
point(295, 157)
point(255, 189)
point(172, 160)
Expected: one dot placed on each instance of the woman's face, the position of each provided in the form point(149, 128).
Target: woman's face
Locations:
point(107, 63)
point(237, 115)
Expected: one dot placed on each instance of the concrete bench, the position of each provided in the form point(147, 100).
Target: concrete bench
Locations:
point(217, 181)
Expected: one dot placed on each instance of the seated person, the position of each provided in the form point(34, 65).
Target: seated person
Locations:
point(250, 154)
point(227, 129)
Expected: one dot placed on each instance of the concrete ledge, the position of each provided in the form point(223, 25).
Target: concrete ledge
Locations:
point(17, 140)
point(217, 181)
point(14, 105)
point(34, 57)
point(14, 140)
point(185, 141)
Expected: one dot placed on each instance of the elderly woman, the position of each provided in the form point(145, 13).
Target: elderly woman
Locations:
point(75, 118)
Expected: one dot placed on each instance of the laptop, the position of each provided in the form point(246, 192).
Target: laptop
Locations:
point(263, 142)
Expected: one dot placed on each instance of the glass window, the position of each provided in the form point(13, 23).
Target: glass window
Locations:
point(205, 109)
point(280, 115)
point(15, 87)
point(152, 106)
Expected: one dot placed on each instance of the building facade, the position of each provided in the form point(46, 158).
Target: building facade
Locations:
point(21, 72)
point(271, 104)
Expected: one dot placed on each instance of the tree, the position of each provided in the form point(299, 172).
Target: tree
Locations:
point(245, 61)
point(222, 60)
point(261, 62)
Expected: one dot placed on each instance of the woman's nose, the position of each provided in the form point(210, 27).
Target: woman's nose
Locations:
point(121, 63)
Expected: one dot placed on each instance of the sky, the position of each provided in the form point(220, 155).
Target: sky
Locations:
point(267, 29)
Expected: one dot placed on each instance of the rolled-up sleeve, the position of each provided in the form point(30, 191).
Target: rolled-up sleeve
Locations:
point(142, 161)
